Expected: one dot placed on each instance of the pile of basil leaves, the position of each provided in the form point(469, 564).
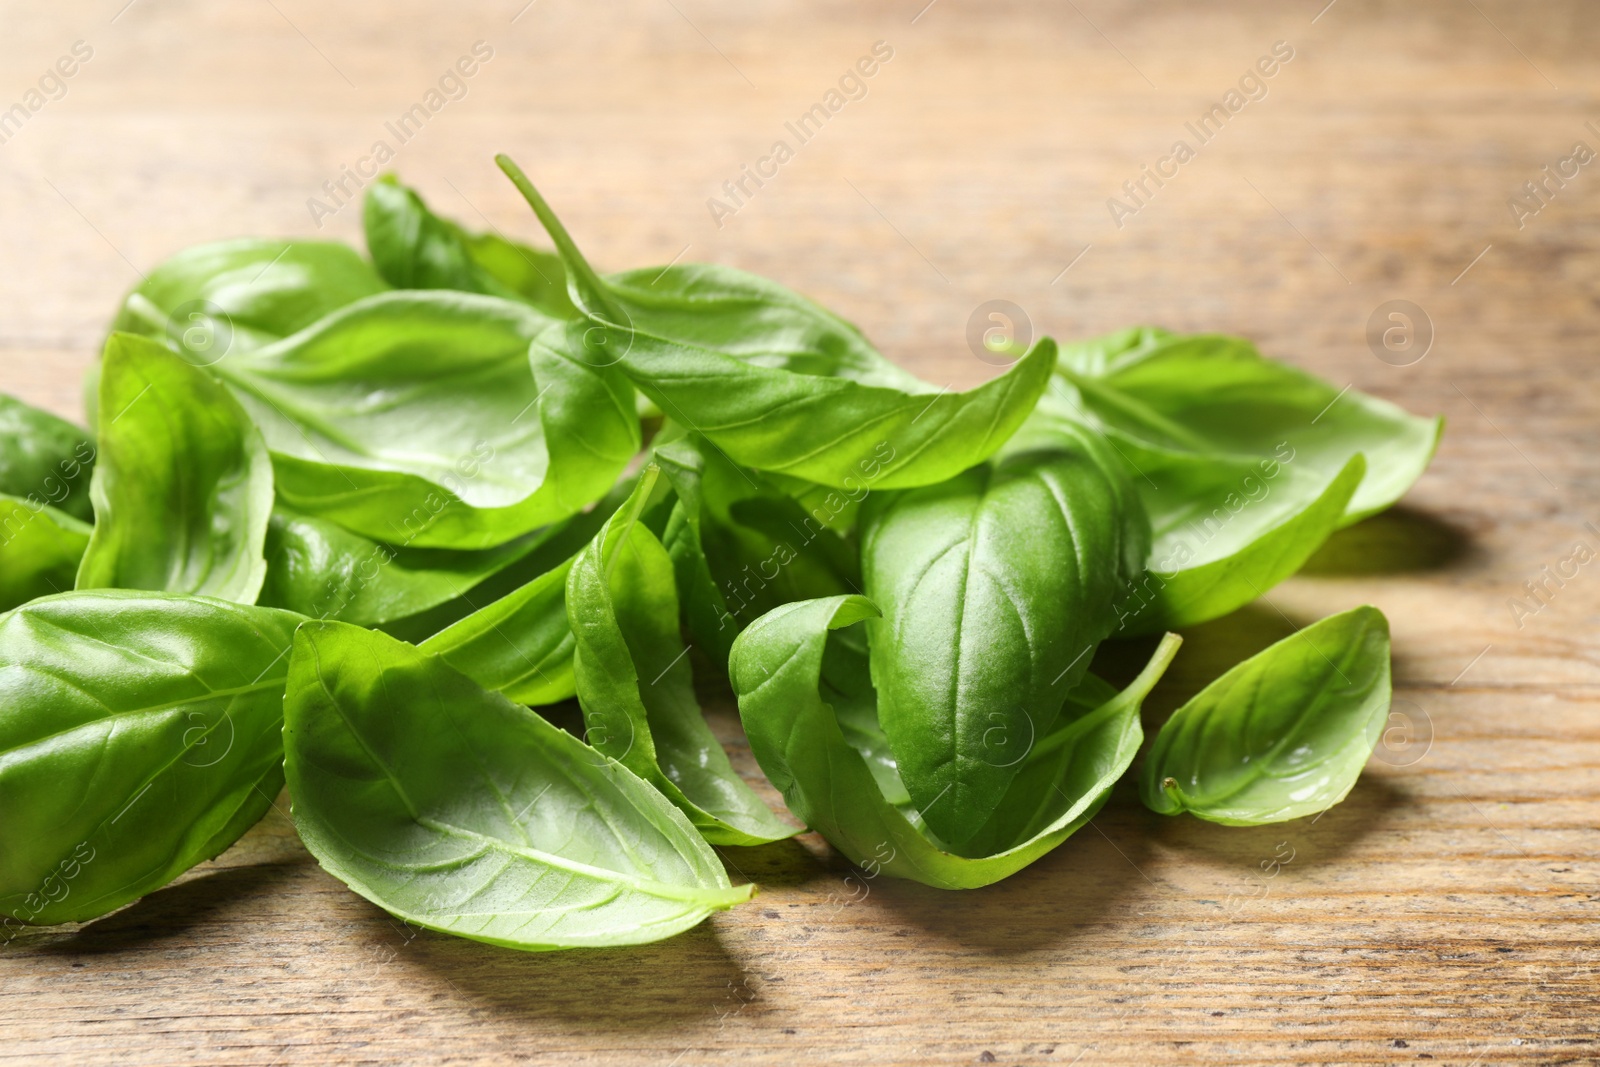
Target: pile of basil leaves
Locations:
point(352, 523)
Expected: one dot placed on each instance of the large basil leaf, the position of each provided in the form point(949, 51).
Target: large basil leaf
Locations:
point(995, 588)
point(636, 686)
point(40, 549)
point(140, 734)
point(1281, 735)
point(413, 248)
point(776, 667)
point(229, 297)
point(1245, 464)
point(183, 487)
point(44, 460)
point(413, 418)
point(457, 810)
point(777, 382)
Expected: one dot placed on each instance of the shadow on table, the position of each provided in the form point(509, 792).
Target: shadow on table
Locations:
point(1396, 541)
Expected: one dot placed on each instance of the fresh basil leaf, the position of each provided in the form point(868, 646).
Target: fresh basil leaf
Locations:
point(183, 487)
point(705, 609)
point(228, 297)
point(776, 667)
point(40, 549)
point(1283, 734)
point(44, 460)
point(778, 383)
point(413, 248)
point(455, 809)
point(321, 570)
point(413, 418)
point(1244, 464)
point(140, 734)
point(636, 686)
point(995, 586)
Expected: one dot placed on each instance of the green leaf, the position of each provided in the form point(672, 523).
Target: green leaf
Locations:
point(455, 809)
point(141, 734)
point(413, 248)
point(228, 297)
point(1283, 734)
point(1244, 464)
point(995, 588)
point(40, 549)
point(636, 686)
point(776, 668)
point(44, 460)
point(413, 418)
point(183, 487)
point(777, 382)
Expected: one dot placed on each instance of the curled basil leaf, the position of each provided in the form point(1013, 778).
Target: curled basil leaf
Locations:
point(1283, 734)
point(457, 810)
point(413, 418)
point(777, 666)
point(1245, 464)
point(636, 686)
point(413, 248)
point(44, 460)
point(40, 549)
point(777, 382)
point(183, 487)
point(995, 588)
point(228, 297)
point(140, 734)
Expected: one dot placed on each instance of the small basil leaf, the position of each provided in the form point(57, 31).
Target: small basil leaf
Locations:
point(778, 383)
point(413, 418)
point(44, 460)
point(40, 549)
point(995, 587)
point(455, 809)
point(705, 609)
point(141, 734)
point(227, 297)
point(414, 248)
point(636, 686)
point(776, 668)
point(183, 487)
point(1283, 734)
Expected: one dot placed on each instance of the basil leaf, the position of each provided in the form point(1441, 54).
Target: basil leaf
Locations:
point(778, 383)
point(457, 810)
point(413, 418)
point(228, 297)
point(797, 739)
point(141, 734)
point(183, 487)
point(1244, 464)
point(40, 549)
point(320, 569)
point(44, 460)
point(636, 686)
point(1283, 734)
point(995, 588)
point(413, 248)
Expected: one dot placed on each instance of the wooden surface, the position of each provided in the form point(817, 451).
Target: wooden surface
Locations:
point(1446, 912)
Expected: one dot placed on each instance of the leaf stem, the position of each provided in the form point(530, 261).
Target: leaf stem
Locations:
point(590, 288)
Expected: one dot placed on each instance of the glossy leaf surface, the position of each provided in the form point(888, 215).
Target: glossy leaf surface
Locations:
point(457, 810)
point(1283, 734)
point(140, 734)
point(183, 486)
point(636, 686)
point(44, 460)
point(40, 549)
point(995, 588)
point(776, 667)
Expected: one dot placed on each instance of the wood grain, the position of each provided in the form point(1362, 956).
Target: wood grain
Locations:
point(1446, 912)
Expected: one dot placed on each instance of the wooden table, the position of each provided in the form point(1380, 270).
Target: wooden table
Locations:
point(1447, 911)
